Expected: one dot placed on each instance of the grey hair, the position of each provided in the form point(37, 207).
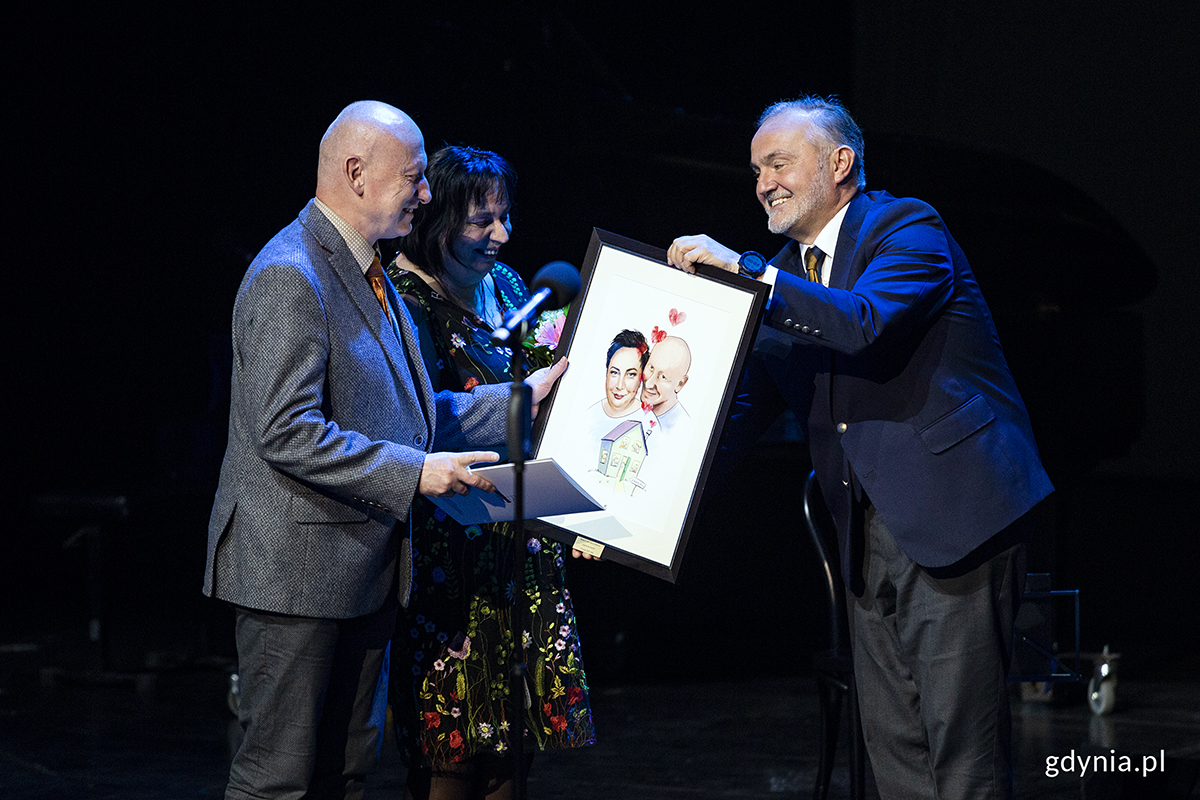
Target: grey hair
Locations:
point(831, 127)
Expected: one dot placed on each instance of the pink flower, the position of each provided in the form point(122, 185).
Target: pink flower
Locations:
point(549, 330)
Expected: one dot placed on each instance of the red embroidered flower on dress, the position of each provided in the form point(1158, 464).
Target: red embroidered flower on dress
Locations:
point(558, 723)
point(432, 720)
point(471, 383)
point(456, 739)
point(574, 695)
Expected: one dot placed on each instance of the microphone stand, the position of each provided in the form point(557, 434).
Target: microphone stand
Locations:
point(558, 283)
point(518, 425)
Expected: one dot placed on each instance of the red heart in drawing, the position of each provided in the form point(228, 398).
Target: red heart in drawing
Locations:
point(676, 317)
point(657, 335)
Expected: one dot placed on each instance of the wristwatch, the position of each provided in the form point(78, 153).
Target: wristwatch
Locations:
point(751, 264)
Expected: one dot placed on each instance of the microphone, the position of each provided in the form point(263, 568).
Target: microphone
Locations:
point(555, 284)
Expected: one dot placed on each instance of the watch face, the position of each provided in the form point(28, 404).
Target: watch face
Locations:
point(752, 263)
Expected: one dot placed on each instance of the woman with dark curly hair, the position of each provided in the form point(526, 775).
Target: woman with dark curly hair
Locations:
point(453, 648)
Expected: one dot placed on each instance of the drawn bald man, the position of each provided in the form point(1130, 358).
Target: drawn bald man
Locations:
point(663, 378)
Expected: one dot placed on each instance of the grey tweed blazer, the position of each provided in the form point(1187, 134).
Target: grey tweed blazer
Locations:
point(329, 425)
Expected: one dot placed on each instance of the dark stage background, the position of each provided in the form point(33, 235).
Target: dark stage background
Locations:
point(154, 155)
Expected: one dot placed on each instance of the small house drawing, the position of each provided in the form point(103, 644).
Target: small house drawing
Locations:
point(622, 451)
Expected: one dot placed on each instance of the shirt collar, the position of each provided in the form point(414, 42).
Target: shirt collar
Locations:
point(363, 253)
point(827, 242)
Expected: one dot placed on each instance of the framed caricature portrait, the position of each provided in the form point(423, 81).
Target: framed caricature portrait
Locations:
point(656, 355)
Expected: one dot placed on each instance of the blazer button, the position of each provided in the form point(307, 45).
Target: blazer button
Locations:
point(841, 427)
point(418, 440)
point(804, 329)
point(787, 323)
point(817, 332)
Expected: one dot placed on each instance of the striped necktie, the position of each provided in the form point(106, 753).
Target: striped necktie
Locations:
point(812, 261)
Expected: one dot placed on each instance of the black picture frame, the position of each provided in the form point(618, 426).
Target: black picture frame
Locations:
point(650, 504)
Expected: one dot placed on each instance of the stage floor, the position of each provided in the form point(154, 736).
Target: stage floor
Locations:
point(169, 736)
point(699, 689)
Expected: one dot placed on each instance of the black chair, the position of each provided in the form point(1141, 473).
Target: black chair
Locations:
point(834, 668)
point(93, 514)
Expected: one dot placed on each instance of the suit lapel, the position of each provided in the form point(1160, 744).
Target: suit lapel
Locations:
point(788, 258)
point(416, 362)
point(410, 374)
point(840, 276)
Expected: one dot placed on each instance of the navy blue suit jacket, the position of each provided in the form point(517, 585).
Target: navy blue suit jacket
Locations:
point(899, 372)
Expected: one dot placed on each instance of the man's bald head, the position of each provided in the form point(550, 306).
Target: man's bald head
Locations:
point(371, 169)
point(360, 130)
point(665, 374)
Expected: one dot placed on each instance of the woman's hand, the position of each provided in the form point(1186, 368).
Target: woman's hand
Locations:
point(543, 380)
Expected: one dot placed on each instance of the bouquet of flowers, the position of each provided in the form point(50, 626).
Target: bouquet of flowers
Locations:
point(543, 340)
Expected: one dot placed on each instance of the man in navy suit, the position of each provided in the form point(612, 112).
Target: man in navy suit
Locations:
point(332, 429)
point(877, 334)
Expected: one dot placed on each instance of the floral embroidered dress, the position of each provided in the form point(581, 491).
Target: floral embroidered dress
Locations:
point(452, 652)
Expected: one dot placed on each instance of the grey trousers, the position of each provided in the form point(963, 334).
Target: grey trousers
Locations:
point(313, 703)
point(931, 661)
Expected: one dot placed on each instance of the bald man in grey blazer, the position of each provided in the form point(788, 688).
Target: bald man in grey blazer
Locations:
point(332, 429)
